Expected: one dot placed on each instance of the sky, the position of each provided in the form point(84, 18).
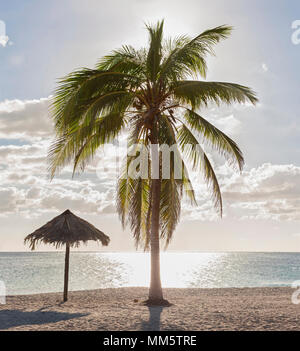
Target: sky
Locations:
point(44, 40)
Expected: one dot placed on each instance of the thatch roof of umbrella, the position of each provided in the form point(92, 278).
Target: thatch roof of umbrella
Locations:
point(66, 228)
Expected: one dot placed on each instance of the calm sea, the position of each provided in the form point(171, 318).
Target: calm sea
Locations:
point(29, 273)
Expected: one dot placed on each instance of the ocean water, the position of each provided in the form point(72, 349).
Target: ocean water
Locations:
point(30, 273)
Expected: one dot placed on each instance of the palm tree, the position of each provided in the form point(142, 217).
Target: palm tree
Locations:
point(154, 94)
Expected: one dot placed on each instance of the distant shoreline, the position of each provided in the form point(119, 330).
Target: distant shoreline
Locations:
point(122, 309)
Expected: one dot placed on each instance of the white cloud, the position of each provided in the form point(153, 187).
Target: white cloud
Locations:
point(25, 185)
point(26, 188)
point(25, 119)
point(4, 40)
point(229, 124)
point(3, 37)
point(8, 199)
point(269, 192)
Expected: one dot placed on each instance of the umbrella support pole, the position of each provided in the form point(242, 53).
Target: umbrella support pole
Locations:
point(67, 259)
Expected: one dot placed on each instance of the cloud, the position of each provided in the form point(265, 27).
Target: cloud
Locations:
point(229, 124)
point(25, 193)
point(268, 192)
point(8, 199)
point(4, 40)
point(25, 119)
point(26, 188)
point(25, 185)
point(3, 37)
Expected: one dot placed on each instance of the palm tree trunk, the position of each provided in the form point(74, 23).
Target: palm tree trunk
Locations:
point(155, 291)
point(67, 258)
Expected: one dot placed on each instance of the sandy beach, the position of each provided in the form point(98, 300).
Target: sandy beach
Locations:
point(122, 309)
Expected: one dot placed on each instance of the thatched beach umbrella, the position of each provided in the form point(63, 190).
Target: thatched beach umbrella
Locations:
point(66, 229)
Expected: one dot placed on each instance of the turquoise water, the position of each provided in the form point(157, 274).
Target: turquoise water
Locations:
point(29, 273)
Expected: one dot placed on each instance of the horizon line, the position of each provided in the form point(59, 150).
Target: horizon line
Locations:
point(146, 252)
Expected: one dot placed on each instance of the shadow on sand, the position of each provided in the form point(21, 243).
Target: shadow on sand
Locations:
point(154, 319)
point(16, 318)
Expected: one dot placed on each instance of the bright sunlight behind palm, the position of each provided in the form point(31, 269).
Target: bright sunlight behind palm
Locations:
point(153, 94)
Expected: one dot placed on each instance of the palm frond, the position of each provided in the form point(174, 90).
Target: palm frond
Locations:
point(200, 93)
point(146, 90)
point(170, 206)
point(155, 49)
point(193, 150)
point(81, 144)
point(215, 138)
point(125, 60)
point(133, 204)
point(88, 89)
point(187, 56)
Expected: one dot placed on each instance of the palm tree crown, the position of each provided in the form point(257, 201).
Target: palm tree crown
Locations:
point(154, 94)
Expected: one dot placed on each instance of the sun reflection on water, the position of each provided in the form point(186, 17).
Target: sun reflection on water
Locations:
point(30, 273)
point(177, 269)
